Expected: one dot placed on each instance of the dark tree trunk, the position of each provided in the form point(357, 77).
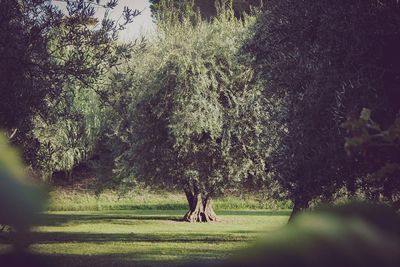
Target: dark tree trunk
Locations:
point(300, 205)
point(200, 208)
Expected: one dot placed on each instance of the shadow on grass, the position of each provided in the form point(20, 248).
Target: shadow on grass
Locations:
point(255, 212)
point(142, 258)
point(84, 237)
point(154, 255)
point(118, 207)
point(149, 207)
point(61, 219)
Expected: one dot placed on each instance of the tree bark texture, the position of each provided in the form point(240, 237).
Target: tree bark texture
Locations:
point(200, 208)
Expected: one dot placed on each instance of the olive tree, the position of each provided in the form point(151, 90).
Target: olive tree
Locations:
point(195, 115)
point(325, 61)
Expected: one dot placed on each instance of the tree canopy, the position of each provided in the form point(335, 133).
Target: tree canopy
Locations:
point(195, 117)
point(326, 61)
point(50, 62)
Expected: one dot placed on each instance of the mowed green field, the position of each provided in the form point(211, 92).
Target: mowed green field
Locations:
point(147, 237)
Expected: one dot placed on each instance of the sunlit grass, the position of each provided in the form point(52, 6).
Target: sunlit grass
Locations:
point(147, 237)
point(63, 200)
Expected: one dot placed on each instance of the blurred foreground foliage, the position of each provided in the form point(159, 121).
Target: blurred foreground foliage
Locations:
point(21, 201)
point(356, 235)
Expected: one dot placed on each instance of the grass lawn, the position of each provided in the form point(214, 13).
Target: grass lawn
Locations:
point(146, 237)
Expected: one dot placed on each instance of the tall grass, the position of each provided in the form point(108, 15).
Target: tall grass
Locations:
point(71, 200)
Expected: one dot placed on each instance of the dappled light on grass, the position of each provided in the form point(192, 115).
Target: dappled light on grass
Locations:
point(145, 237)
point(349, 235)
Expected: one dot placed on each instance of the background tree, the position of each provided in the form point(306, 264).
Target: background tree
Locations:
point(325, 61)
point(194, 112)
point(24, 58)
point(45, 56)
point(72, 138)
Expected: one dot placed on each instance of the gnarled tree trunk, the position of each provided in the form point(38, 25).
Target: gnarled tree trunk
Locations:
point(200, 208)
